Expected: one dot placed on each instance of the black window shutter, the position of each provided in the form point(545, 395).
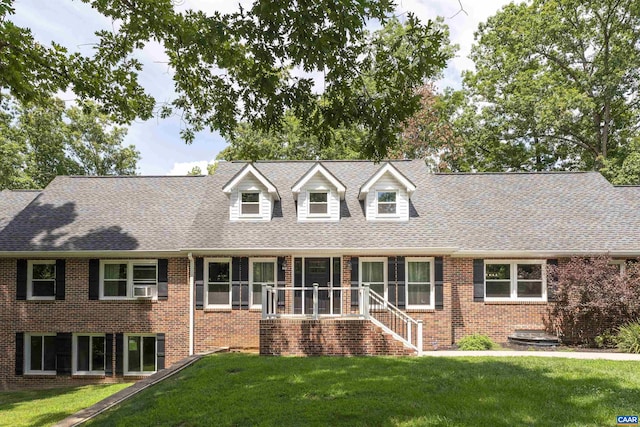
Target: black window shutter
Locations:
point(19, 353)
point(108, 355)
point(199, 276)
point(355, 281)
point(281, 281)
point(281, 271)
point(439, 282)
point(244, 283)
point(297, 272)
point(60, 278)
point(402, 284)
point(478, 280)
point(552, 280)
point(160, 345)
point(163, 279)
point(119, 353)
point(337, 272)
point(63, 353)
point(94, 279)
point(391, 281)
point(235, 283)
point(21, 279)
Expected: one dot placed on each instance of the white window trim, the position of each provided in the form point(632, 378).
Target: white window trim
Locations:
point(126, 355)
point(130, 263)
point(30, 265)
point(74, 354)
point(387, 190)
point(309, 203)
point(251, 283)
point(513, 266)
point(259, 203)
point(27, 354)
point(622, 263)
point(206, 296)
point(385, 277)
point(432, 277)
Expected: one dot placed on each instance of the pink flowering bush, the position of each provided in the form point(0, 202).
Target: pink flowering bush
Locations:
point(593, 298)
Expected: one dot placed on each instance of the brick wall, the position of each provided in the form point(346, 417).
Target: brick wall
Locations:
point(78, 314)
point(326, 337)
point(459, 317)
point(495, 319)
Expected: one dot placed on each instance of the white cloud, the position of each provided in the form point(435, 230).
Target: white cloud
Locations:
point(183, 168)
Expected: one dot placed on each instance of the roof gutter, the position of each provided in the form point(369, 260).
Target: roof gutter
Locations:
point(324, 251)
point(559, 253)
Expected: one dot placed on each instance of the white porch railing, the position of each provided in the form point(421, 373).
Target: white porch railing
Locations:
point(331, 301)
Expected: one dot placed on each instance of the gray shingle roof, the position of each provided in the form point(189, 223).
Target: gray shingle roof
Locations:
point(106, 213)
point(469, 212)
point(12, 202)
point(213, 230)
point(508, 212)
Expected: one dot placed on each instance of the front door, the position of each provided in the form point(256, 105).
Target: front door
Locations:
point(317, 270)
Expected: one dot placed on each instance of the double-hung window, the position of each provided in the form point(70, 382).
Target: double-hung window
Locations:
point(373, 272)
point(40, 352)
point(41, 279)
point(128, 279)
point(420, 293)
point(89, 354)
point(218, 278)
point(262, 271)
point(140, 354)
point(250, 203)
point(318, 203)
point(515, 280)
point(387, 202)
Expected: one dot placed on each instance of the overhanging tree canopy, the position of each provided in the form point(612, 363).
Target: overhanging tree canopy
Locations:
point(238, 66)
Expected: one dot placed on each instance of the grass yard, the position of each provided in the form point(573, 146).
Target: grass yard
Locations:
point(242, 390)
point(47, 407)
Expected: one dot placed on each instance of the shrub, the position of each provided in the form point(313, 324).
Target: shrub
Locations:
point(606, 340)
point(629, 337)
point(592, 298)
point(476, 342)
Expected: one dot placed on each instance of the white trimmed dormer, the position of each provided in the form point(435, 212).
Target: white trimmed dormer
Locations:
point(251, 195)
point(318, 193)
point(386, 195)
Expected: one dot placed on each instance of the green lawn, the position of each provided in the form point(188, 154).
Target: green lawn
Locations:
point(239, 390)
point(47, 407)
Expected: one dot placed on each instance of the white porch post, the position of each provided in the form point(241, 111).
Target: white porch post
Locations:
point(315, 301)
point(265, 300)
point(419, 337)
point(364, 303)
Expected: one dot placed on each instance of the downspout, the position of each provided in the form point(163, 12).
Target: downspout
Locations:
point(191, 293)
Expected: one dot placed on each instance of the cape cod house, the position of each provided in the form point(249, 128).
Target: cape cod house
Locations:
point(104, 278)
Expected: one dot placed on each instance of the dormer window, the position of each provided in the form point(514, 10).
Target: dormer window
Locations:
point(387, 195)
point(250, 204)
point(252, 196)
point(318, 203)
point(318, 194)
point(387, 202)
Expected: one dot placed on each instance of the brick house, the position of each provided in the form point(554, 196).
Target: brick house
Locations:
point(111, 278)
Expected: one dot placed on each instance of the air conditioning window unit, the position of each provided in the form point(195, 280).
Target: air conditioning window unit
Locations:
point(143, 291)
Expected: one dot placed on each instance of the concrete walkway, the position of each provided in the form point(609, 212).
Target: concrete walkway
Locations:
point(90, 412)
point(517, 353)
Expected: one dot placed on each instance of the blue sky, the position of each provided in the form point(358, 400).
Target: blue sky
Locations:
point(73, 23)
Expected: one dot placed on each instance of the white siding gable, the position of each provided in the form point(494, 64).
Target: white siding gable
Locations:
point(250, 183)
point(318, 183)
point(387, 182)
